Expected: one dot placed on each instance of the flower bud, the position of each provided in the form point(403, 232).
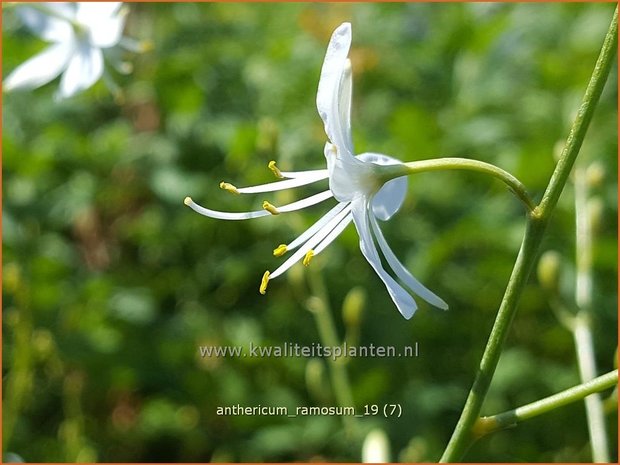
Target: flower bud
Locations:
point(43, 343)
point(376, 447)
point(549, 270)
point(314, 304)
point(315, 378)
point(12, 277)
point(353, 306)
point(595, 174)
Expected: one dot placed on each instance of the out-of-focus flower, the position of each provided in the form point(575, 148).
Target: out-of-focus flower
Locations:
point(376, 447)
point(77, 32)
point(355, 181)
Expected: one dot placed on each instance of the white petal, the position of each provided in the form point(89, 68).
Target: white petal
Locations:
point(391, 196)
point(54, 26)
point(312, 230)
point(89, 12)
point(333, 234)
point(40, 69)
point(344, 104)
point(298, 181)
point(402, 299)
point(403, 273)
point(63, 10)
point(298, 205)
point(104, 20)
point(333, 99)
point(310, 243)
point(85, 68)
point(349, 177)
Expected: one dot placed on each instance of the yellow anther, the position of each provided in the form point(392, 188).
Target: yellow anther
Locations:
point(187, 201)
point(280, 250)
point(274, 169)
point(270, 208)
point(228, 187)
point(308, 257)
point(263, 283)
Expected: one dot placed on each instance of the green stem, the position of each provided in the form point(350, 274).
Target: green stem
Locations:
point(582, 327)
point(487, 425)
point(463, 436)
point(473, 165)
point(582, 334)
point(582, 121)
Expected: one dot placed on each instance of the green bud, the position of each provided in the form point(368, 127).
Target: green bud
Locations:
point(43, 342)
point(595, 174)
point(315, 304)
point(353, 306)
point(315, 378)
point(12, 277)
point(549, 270)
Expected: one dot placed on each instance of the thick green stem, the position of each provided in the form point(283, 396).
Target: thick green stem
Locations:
point(463, 435)
point(487, 425)
point(582, 121)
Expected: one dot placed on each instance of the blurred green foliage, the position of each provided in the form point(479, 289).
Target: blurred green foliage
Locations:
point(111, 283)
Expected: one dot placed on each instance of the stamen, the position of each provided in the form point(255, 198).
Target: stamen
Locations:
point(308, 257)
point(263, 283)
point(270, 208)
point(280, 250)
point(311, 242)
point(228, 187)
point(188, 201)
point(274, 169)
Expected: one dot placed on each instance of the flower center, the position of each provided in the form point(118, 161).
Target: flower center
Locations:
point(349, 176)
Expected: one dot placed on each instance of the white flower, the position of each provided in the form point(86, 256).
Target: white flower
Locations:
point(77, 32)
point(354, 182)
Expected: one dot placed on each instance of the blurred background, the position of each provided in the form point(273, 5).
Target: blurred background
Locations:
point(110, 284)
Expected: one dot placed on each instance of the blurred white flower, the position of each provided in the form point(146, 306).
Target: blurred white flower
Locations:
point(376, 447)
point(354, 181)
point(77, 32)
